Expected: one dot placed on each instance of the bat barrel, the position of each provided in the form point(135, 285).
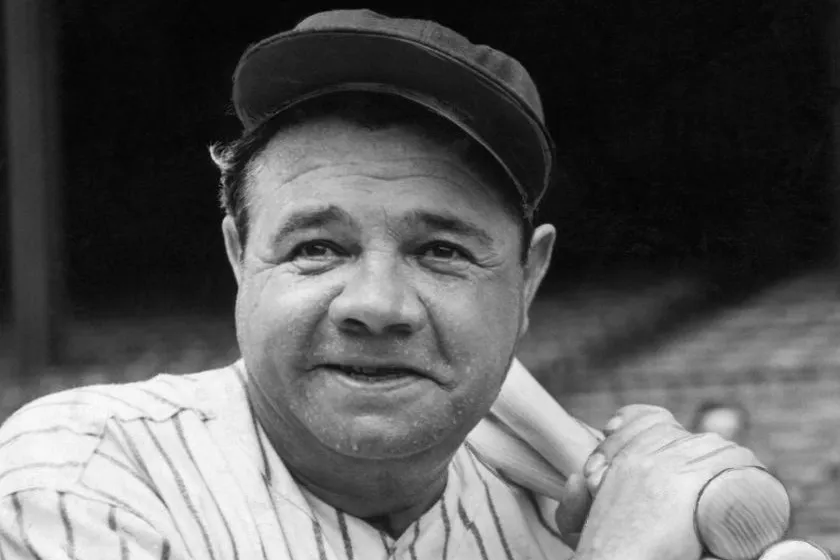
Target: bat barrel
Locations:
point(741, 512)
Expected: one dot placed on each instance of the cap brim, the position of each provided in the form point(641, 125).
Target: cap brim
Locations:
point(286, 68)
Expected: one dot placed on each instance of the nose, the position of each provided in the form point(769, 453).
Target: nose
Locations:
point(377, 300)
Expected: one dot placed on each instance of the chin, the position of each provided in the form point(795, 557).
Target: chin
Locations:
point(376, 438)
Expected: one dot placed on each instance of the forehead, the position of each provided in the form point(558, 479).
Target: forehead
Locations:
point(323, 151)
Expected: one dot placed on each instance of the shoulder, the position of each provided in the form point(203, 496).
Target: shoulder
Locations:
point(50, 441)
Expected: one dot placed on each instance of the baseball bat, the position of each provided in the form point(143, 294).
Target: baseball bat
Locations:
point(529, 438)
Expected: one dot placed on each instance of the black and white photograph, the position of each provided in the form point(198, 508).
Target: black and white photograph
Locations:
point(534, 280)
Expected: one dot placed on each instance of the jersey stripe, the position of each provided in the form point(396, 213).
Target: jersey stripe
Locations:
point(262, 549)
point(413, 548)
point(263, 456)
point(240, 376)
point(134, 450)
point(179, 429)
point(492, 506)
point(385, 544)
point(24, 536)
point(111, 499)
point(319, 539)
point(68, 528)
point(45, 431)
point(470, 526)
point(112, 524)
point(446, 528)
point(182, 488)
point(35, 466)
point(277, 519)
point(129, 471)
point(345, 536)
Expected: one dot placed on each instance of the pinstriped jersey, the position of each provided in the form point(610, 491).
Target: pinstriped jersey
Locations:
point(178, 468)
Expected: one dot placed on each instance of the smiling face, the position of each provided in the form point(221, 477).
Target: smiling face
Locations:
point(381, 293)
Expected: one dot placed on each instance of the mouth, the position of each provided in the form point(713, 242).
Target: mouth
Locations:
point(375, 374)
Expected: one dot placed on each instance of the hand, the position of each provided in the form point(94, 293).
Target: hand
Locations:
point(646, 477)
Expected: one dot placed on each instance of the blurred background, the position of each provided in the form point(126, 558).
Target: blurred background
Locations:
point(698, 212)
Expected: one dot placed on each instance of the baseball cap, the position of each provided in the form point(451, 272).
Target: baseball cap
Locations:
point(485, 92)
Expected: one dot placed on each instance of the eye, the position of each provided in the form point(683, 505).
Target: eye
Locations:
point(444, 252)
point(315, 250)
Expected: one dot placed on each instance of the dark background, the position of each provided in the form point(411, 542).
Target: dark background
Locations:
point(696, 132)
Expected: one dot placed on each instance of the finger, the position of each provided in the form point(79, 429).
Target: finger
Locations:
point(795, 549)
point(573, 508)
point(630, 428)
point(629, 413)
point(644, 444)
point(707, 453)
point(608, 450)
point(697, 452)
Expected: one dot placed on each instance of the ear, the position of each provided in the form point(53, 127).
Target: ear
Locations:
point(539, 259)
point(233, 247)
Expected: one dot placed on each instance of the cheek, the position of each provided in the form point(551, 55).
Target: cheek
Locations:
point(479, 329)
point(275, 317)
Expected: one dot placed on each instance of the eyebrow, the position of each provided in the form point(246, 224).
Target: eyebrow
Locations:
point(322, 216)
point(449, 223)
point(309, 218)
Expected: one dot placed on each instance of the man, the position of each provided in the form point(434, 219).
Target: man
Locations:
point(378, 223)
point(731, 421)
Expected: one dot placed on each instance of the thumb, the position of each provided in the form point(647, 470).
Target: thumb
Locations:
point(572, 509)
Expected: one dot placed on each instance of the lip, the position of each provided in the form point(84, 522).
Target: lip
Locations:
point(396, 366)
point(411, 381)
point(376, 386)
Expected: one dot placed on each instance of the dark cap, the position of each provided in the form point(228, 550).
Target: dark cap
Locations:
point(485, 92)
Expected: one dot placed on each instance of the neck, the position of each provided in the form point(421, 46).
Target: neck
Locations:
point(387, 497)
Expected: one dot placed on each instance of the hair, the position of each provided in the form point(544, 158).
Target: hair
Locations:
point(371, 111)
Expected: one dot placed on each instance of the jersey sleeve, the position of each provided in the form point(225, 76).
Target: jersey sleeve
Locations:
point(45, 524)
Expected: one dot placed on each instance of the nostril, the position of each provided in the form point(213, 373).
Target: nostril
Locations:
point(358, 326)
point(354, 325)
point(401, 329)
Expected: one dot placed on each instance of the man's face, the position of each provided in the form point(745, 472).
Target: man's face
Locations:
point(381, 293)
